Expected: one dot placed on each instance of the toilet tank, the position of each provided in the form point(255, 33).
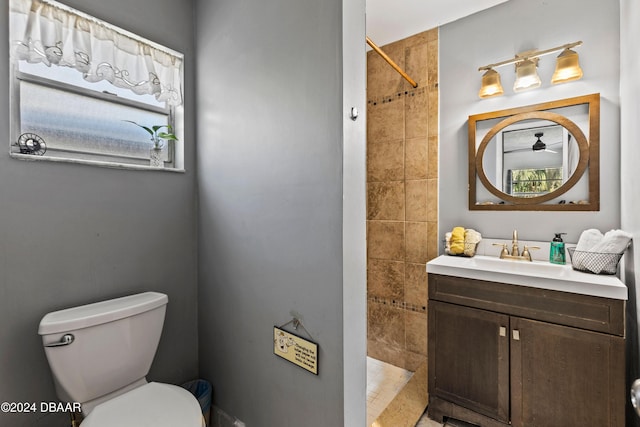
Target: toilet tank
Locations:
point(114, 343)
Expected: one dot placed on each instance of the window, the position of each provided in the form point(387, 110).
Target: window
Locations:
point(77, 83)
point(533, 182)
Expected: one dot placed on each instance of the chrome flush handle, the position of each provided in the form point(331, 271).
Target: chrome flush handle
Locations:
point(65, 340)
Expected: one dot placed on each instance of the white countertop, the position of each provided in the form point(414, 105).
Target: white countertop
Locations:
point(535, 274)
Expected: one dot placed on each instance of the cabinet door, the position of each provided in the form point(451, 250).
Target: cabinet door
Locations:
point(562, 376)
point(469, 358)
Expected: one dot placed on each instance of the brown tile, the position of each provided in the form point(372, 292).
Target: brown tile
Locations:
point(385, 120)
point(432, 200)
point(381, 351)
point(416, 200)
point(385, 240)
point(385, 200)
point(432, 170)
point(413, 360)
point(416, 242)
point(416, 116)
point(386, 324)
point(416, 332)
point(432, 115)
point(416, 63)
point(385, 161)
point(417, 39)
point(416, 161)
point(432, 34)
point(432, 64)
point(385, 279)
point(408, 406)
point(432, 238)
point(415, 285)
point(382, 79)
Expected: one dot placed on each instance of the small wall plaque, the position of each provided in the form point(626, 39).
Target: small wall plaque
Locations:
point(295, 349)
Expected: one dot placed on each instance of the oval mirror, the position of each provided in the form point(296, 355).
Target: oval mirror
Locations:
point(536, 157)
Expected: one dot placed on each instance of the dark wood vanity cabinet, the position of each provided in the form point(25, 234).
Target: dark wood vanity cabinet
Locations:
point(503, 354)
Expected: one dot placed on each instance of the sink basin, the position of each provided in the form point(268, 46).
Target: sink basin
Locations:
point(516, 266)
point(537, 274)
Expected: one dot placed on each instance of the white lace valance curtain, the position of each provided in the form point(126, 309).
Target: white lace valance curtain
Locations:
point(44, 31)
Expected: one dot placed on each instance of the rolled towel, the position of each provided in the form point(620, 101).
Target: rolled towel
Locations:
point(457, 240)
point(447, 242)
point(588, 239)
point(472, 236)
point(471, 239)
point(613, 242)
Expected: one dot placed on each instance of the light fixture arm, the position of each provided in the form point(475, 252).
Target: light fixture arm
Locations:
point(530, 55)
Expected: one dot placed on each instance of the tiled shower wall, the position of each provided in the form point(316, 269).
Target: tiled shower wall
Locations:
point(402, 183)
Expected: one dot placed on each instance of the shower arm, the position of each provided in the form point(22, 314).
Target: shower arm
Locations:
point(390, 61)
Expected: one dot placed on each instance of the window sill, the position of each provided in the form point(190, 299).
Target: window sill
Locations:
point(111, 165)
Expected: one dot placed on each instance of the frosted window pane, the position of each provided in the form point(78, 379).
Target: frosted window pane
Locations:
point(68, 121)
point(73, 77)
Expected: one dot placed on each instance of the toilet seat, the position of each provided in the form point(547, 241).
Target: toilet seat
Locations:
point(151, 405)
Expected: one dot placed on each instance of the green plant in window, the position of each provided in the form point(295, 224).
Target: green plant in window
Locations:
point(534, 182)
point(157, 134)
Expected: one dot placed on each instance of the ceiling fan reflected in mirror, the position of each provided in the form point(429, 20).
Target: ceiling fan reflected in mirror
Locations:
point(537, 146)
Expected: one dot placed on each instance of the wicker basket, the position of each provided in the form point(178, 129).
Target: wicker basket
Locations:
point(594, 262)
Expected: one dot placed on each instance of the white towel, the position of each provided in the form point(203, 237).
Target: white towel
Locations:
point(613, 242)
point(471, 239)
point(472, 236)
point(447, 243)
point(588, 239)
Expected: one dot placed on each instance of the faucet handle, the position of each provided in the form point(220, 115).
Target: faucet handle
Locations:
point(504, 252)
point(526, 253)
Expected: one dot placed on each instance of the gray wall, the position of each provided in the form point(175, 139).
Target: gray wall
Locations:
point(270, 161)
point(354, 250)
point(498, 34)
point(630, 155)
point(73, 234)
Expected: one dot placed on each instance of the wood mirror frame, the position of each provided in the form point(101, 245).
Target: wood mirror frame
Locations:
point(589, 160)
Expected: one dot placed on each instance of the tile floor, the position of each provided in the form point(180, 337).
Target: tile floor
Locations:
point(384, 381)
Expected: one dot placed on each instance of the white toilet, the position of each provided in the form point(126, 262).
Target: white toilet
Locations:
point(100, 354)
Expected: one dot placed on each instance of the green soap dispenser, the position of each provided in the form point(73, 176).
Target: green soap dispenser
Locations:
point(556, 250)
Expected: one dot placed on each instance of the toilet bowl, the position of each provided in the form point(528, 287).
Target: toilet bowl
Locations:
point(100, 355)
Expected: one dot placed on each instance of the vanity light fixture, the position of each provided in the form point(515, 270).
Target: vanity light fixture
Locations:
point(527, 75)
point(491, 85)
point(567, 67)
point(526, 63)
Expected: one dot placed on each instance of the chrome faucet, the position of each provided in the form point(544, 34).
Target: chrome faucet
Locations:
point(515, 250)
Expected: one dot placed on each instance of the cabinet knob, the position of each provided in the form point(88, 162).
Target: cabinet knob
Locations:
point(516, 335)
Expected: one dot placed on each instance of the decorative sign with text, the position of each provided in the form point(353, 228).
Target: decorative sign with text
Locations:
point(295, 349)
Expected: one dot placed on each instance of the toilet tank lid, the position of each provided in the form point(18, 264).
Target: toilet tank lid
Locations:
point(97, 313)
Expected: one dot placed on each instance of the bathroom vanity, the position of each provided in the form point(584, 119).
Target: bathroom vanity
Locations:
point(525, 344)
